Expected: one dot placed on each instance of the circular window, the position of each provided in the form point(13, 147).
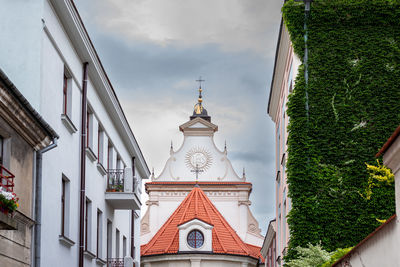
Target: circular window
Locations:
point(195, 239)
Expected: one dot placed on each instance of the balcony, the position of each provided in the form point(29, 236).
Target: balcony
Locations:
point(122, 189)
point(6, 179)
point(7, 221)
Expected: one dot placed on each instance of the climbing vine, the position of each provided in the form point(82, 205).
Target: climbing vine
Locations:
point(354, 103)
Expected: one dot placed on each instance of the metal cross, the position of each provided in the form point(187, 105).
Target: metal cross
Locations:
point(197, 171)
point(200, 80)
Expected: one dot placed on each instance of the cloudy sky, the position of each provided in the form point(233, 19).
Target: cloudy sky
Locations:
point(154, 50)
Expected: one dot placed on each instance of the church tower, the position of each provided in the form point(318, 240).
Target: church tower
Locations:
point(198, 209)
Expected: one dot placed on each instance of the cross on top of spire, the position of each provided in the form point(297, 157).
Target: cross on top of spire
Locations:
point(200, 80)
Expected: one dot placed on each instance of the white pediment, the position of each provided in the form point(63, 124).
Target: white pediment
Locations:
point(198, 151)
point(198, 125)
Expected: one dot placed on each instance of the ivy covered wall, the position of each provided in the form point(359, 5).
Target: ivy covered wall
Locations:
point(354, 106)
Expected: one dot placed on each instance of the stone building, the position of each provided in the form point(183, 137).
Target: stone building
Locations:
point(198, 209)
point(24, 135)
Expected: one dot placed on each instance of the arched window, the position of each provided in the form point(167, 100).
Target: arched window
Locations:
point(195, 239)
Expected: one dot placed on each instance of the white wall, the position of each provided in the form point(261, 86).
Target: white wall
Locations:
point(34, 57)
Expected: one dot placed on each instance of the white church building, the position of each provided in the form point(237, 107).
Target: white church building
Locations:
point(198, 209)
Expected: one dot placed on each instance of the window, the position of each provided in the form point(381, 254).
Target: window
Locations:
point(123, 246)
point(89, 128)
point(117, 241)
point(88, 224)
point(195, 239)
point(278, 143)
point(100, 144)
point(67, 93)
point(278, 232)
point(110, 156)
point(98, 234)
point(283, 127)
point(64, 206)
point(1, 150)
point(284, 218)
point(290, 78)
point(109, 239)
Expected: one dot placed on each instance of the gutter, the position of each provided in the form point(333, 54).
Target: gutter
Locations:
point(38, 201)
point(83, 166)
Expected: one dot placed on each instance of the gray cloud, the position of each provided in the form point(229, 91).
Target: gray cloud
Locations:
point(232, 24)
point(154, 78)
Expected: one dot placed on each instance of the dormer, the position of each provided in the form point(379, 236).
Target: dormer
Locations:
point(195, 235)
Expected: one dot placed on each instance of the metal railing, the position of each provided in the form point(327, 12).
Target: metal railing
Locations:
point(6, 179)
point(115, 262)
point(115, 179)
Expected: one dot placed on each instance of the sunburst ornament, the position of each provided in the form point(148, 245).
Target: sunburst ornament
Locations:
point(198, 157)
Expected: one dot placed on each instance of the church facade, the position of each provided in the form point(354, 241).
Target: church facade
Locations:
point(198, 209)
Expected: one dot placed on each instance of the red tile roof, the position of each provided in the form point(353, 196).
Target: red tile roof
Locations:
point(198, 206)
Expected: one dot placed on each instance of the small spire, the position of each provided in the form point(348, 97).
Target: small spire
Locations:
point(171, 150)
point(244, 172)
point(152, 173)
point(225, 150)
point(199, 106)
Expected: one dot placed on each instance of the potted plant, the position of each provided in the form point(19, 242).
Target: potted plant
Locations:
point(8, 201)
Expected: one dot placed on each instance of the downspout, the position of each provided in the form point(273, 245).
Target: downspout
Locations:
point(83, 166)
point(307, 10)
point(38, 201)
point(133, 213)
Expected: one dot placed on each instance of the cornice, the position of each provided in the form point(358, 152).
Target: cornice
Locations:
point(28, 127)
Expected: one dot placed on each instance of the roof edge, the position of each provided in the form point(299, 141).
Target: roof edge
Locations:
point(27, 106)
point(365, 240)
point(389, 142)
point(143, 165)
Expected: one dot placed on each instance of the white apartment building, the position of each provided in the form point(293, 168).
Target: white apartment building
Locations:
point(87, 206)
point(285, 71)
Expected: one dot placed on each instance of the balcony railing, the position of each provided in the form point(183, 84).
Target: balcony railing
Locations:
point(115, 262)
point(121, 191)
point(6, 179)
point(115, 180)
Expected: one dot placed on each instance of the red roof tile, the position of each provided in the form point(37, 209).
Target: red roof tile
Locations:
point(198, 206)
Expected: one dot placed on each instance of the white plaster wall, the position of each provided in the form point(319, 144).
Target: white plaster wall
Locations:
point(34, 57)
point(220, 169)
point(381, 250)
point(20, 53)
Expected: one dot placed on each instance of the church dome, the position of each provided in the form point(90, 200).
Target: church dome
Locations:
point(199, 110)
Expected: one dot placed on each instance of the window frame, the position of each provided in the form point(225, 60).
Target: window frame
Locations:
point(189, 239)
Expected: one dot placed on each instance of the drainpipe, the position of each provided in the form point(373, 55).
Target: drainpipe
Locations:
point(307, 10)
point(133, 213)
point(83, 165)
point(38, 201)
